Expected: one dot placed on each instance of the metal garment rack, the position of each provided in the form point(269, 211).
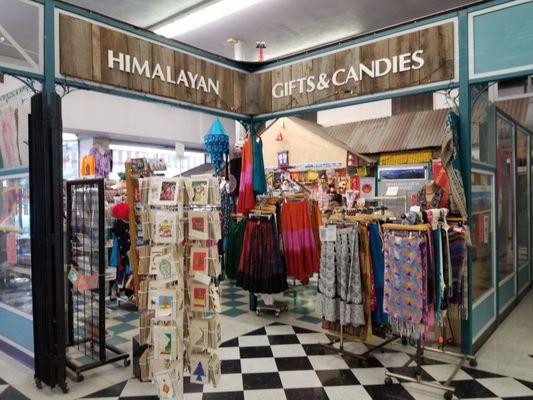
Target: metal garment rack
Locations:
point(417, 357)
point(85, 250)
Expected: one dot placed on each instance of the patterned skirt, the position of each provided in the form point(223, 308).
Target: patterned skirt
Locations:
point(261, 269)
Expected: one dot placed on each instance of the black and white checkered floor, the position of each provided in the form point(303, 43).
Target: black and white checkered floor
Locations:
point(286, 362)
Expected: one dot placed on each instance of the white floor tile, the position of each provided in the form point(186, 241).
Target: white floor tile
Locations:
point(370, 376)
point(227, 383)
point(328, 362)
point(228, 353)
point(392, 360)
point(255, 365)
point(506, 387)
point(347, 392)
point(191, 396)
point(299, 379)
point(355, 347)
point(268, 394)
point(279, 330)
point(253, 341)
point(288, 350)
point(135, 387)
point(442, 372)
point(419, 392)
point(312, 338)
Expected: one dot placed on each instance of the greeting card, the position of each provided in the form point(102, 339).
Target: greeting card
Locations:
point(88, 282)
point(198, 334)
point(199, 296)
point(199, 368)
point(214, 369)
point(167, 388)
point(214, 338)
point(165, 230)
point(166, 303)
point(166, 268)
point(165, 340)
point(168, 192)
point(198, 225)
point(200, 190)
point(199, 260)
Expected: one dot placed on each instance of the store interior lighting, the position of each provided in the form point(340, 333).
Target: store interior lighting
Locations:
point(203, 16)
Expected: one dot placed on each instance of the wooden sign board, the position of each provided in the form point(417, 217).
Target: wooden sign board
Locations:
point(407, 60)
point(99, 54)
point(108, 56)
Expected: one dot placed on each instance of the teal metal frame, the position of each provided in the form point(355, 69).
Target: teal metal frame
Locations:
point(50, 80)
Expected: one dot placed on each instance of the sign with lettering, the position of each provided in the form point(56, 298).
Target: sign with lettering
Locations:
point(418, 57)
point(96, 53)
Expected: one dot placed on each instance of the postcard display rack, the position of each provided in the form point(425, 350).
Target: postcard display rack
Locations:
point(86, 255)
point(178, 267)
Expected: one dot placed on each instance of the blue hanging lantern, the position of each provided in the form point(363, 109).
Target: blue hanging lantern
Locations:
point(216, 142)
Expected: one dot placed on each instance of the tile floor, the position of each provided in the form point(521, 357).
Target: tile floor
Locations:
point(265, 358)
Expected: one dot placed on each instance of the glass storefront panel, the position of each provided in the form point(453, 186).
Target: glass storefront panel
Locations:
point(22, 33)
point(15, 248)
point(522, 198)
point(482, 234)
point(482, 126)
point(505, 196)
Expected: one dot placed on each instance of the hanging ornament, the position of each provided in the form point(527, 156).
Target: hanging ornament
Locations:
point(261, 46)
point(216, 142)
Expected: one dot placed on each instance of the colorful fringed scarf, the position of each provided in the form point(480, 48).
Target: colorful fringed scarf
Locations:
point(405, 291)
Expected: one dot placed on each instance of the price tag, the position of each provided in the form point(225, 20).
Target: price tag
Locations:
point(180, 150)
point(392, 191)
point(328, 233)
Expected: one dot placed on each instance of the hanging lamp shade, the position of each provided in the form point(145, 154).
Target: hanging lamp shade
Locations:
point(216, 142)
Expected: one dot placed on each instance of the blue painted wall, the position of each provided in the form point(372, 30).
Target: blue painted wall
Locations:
point(507, 292)
point(482, 314)
point(16, 328)
point(502, 38)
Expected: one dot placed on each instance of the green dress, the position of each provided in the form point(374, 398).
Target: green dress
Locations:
point(234, 249)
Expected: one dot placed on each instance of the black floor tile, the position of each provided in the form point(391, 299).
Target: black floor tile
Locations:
point(276, 324)
point(139, 398)
point(230, 366)
point(293, 364)
point(111, 391)
point(306, 394)
point(526, 383)
point(224, 396)
point(479, 374)
point(318, 350)
point(256, 352)
point(339, 377)
point(518, 398)
point(411, 373)
point(283, 339)
point(369, 362)
point(471, 389)
point(298, 329)
point(267, 380)
point(12, 394)
point(392, 392)
point(260, 331)
point(231, 343)
point(189, 387)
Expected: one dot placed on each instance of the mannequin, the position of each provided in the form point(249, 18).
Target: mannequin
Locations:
point(431, 196)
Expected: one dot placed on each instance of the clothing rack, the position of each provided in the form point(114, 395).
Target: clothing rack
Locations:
point(363, 358)
point(421, 348)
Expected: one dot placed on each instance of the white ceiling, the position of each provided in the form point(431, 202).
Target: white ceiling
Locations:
point(286, 26)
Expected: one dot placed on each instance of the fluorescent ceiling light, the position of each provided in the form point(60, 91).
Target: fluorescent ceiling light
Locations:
point(203, 16)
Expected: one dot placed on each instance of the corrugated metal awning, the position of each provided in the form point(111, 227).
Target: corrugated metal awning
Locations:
point(397, 133)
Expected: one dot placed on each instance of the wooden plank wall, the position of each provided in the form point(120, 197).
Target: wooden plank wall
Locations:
point(84, 49)
point(83, 55)
point(437, 42)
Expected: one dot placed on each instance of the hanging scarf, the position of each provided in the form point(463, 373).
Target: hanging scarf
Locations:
point(246, 189)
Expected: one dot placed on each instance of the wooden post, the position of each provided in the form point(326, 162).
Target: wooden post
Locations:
point(133, 254)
